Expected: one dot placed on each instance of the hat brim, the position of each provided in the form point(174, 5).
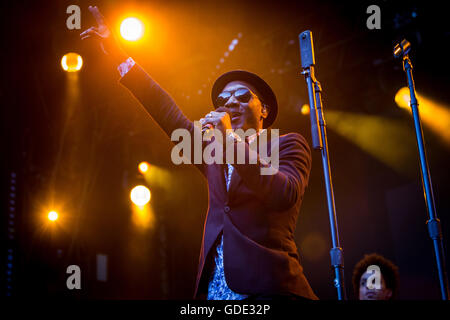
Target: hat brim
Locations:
point(266, 93)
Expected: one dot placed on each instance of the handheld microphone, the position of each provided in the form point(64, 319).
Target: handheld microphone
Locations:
point(208, 127)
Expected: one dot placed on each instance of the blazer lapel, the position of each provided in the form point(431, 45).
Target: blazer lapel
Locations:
point(235, 181)
point(223, 181)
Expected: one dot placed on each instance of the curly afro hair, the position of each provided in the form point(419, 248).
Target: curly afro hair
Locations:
point(387, 268)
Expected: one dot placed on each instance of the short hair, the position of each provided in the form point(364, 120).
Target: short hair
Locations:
point(388, 270)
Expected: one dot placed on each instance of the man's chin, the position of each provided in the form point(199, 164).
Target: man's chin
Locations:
point(371, 297)
point(236, 126)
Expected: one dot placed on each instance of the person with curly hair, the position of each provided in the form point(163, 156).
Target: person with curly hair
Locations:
point(389, 278)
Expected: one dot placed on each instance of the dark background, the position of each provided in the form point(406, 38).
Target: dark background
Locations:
point(75, 144)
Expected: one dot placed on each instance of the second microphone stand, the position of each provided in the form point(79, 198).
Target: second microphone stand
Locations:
point(319, 139)
point(434, 224)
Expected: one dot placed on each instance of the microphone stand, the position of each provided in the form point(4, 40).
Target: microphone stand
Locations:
point(433, 223)
point(319, 140)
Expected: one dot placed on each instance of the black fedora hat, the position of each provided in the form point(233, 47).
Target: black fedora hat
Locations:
point(264, 92)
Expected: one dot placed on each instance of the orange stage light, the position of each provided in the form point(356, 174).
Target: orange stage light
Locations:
point(71, 62)
point(52, 216)
point(435, 115)
point(305, 109)
point(140, 195)
point(131, 29)
point(143, 167)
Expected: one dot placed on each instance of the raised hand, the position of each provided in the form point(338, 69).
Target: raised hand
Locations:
point(102, 33)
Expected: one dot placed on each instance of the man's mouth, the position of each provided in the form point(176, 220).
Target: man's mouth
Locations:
point(235, 116)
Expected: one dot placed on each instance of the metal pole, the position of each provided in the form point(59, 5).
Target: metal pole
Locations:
point(433, 223)
point(336, 253)
point(319, 141)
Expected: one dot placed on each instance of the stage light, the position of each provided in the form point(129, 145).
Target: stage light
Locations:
point(388, 140)
point(52, 216)
point(71, 62)
point(140, 195)
point(402, 98)
point(305, 109)
point(433, 114)
point(143, 167)
point(131, 29)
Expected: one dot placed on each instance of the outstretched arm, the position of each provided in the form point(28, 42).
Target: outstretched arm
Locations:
point(156, 101)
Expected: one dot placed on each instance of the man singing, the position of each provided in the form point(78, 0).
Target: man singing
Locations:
point(248, 248)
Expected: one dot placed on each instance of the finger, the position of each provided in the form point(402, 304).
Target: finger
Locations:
point(87, 31)
point(103, 47)
point(97, 15)
point(214, 114)
point(91, 34)
point(86, 36)
point(218, 114)
point(211, 121)
point(223, 109)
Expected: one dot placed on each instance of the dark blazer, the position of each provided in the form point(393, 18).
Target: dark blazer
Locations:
point(258, 214)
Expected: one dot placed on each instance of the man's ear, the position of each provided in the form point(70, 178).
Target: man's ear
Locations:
point(264, 110)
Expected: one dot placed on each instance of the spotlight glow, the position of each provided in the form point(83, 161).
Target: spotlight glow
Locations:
point(143, 167)
point(140, 195)
point(402, 98)
point(131, 29)
point(52, 216)
point(366, 132)
point(143, 216)
point(435, 115)
point(305, 109)
point(71, 62)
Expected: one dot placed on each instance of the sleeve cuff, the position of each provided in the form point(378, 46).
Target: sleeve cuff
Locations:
point(125, 66)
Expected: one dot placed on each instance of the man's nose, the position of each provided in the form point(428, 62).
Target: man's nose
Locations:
point(232, 102)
